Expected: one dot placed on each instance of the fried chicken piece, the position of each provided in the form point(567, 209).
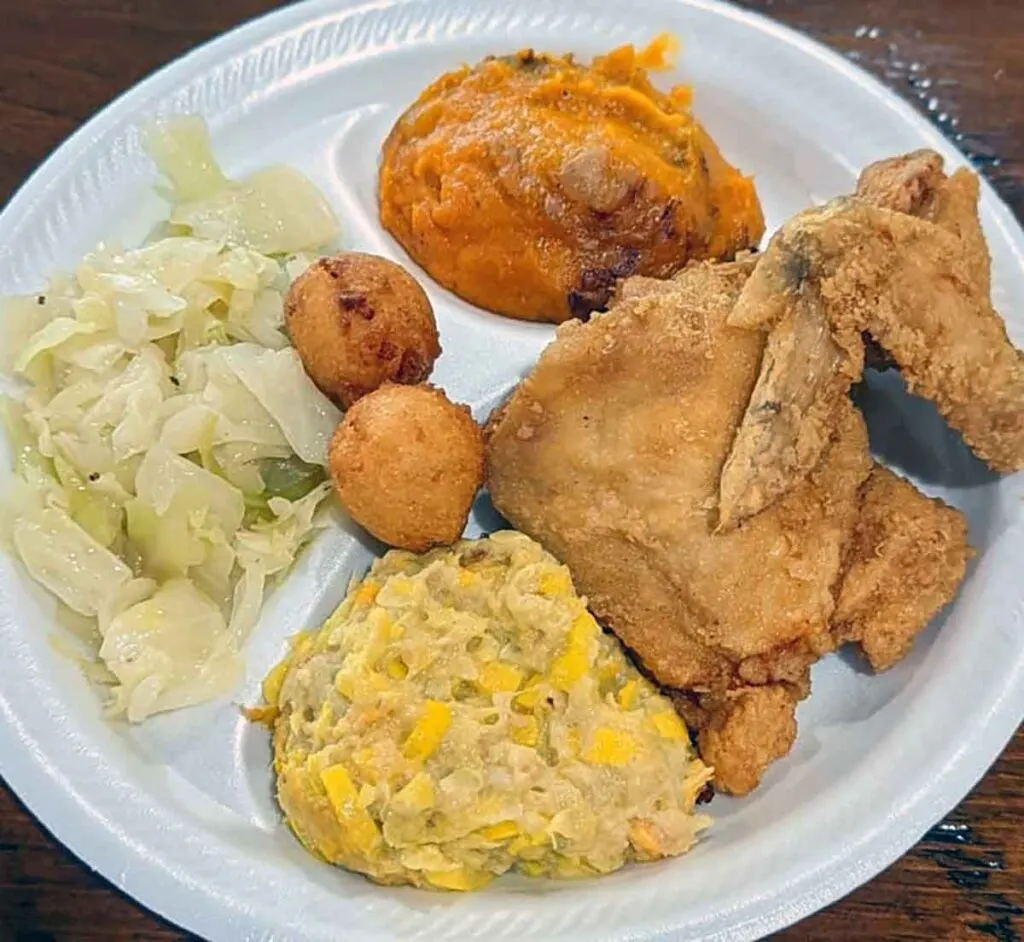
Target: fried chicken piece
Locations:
point(915, 184)
point(917, 285)
point(907, 556)
point(530, 183)
point(744, 732)
point(610, 453)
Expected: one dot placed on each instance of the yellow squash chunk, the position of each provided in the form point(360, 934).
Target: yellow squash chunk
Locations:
point(361, 832)
point(274, 681)
point(554, 583)
point(572, 664)
point(418, 795)
point(570, 867)
point(497, 677)
point(627, 695)
point(569, 669)
point(582, 630)
point(526, 732)
point(324, 720)
point(345, 685)
point(644, 838)
point(396, 669)
point(301, 642)
point(340, 791)
point(367, 593)
point(400, 586)
point(669, 726)
point(527, 842)
point(531, 868)
point(429, 730)
point(499, 832)
point(610, 747)
point(531, 696)
point(462, 879)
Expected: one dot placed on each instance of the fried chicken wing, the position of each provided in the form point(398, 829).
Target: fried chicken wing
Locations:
point(917, 284)
point(530, 183)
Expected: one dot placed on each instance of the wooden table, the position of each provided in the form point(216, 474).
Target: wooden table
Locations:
point(960, 61)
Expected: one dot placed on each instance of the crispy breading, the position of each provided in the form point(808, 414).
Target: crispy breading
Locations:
point(904, 184)
point(618, 478)
point(747, 731)
point(907, 556)
point(917, 285)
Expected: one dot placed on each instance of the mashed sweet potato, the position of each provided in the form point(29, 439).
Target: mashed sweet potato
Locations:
point(529, 184)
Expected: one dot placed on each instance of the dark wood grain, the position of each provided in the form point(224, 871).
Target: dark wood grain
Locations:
point(960, 61)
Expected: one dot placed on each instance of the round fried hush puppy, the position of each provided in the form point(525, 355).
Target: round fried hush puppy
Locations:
point(358, 321)
point(406, 463)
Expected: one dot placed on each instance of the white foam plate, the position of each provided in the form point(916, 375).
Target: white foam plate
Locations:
point(179, 812)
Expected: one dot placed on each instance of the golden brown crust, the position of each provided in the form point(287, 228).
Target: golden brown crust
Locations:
point(358, 321)
point(530, 184)
point(407, 464)
point(747, 732)
point(904, 184)
point(906, 559)
point(918, 285)
point(610, 453)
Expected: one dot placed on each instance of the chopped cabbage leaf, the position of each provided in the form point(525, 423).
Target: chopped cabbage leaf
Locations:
point(180, 148)
point(268, 549)
point(96, 510)
point(274, 211)
point(170, 650)
point(306, 417)
point(45, 341)
point(63, 558)
point(240, 417)
point(23, 318)
point(273, 544)
point(172, 484)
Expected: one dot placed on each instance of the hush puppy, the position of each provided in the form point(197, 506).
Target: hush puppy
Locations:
point(358, 321)
point(406, 463)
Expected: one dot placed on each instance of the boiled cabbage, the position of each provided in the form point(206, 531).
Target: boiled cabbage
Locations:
point(276, 378)
point(169, 448)
point(160, 665)
point(275, 210)
point(63, 558)
point(181, 149)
